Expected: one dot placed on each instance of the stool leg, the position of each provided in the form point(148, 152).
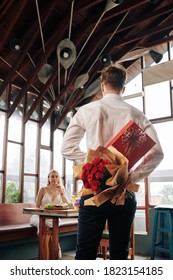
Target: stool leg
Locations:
point(154, 235)
point(161, 226)
point(161, 233)
point(170, 235)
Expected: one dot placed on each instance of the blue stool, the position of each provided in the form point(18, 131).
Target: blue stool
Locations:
point(162, 226)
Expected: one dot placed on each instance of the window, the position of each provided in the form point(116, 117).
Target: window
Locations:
point(15, 127)
point(57, 158)
point(45, 134)
point(3, 100)
point(30, 99)
point(142, 209)
point(30, 189)
point(171, 52)
point(83, 147)
point(161, 180)
point(134, 86)
point(155, 96)
point(136, 101)
point(133, 93)
point(2, 131)
point(31, 138)
point(69, 178)
point(45, 165)
point(13, 173)
point(79, 185)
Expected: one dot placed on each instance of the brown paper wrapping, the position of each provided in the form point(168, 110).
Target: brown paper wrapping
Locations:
point(119, 181)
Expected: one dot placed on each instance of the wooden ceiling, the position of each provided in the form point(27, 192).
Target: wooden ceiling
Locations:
point(33, 34)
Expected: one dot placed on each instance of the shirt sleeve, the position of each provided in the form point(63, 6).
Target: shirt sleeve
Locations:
point(75, 132)
point(151, 160)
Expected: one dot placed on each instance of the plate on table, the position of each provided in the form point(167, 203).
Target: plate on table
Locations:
point(62, 206)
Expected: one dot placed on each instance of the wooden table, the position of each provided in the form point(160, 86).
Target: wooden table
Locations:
point(49, 238)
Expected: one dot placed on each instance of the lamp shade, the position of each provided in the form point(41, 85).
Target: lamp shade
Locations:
point(15, 45)
point(156, 56)
point(66, 53)
point(105, 59)
point(81, 81)
point(117, 1)
point(112, 4)
point(45, 73)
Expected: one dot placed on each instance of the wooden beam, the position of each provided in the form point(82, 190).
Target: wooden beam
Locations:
point(4, 7)
point(57, 100)
point(64, 113)
point(49, 49)
point(107, 31)
point(12, 21)
point(21, 57)
point(40, 96)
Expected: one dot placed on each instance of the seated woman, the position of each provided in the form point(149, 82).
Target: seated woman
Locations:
point(54, 193)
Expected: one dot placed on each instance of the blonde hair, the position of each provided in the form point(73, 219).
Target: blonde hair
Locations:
point(56, 172)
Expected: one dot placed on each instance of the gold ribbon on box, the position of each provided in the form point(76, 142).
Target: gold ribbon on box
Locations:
point(119, 181)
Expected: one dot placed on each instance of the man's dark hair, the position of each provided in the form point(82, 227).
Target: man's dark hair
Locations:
point(114, 76)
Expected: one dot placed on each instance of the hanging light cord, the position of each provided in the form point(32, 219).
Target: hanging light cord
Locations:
point(69, 35)
point(59, 65)
point(51, 90)
point(71, 17)
point(31, 59)
point(59, 83)
point(90, 35)
point(109, 40)
point(40, 26)
point(92, 31)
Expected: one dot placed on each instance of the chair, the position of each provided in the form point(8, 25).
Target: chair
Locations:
point(104, 244)
point(162, 226)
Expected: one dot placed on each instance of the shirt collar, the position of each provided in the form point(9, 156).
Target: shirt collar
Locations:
point(112, 95)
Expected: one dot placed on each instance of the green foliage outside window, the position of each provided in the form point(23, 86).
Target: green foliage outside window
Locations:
point(12, 193)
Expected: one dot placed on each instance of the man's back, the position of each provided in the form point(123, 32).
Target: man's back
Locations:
point(104, 118)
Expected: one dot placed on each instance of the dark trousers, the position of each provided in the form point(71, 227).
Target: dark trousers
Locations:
point(91, 223)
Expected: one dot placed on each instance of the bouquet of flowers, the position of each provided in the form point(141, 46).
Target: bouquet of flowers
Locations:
point(95, 174)
point(105, 174)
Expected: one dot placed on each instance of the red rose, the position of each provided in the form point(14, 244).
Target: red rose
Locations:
point(95, 185)
point(90, 177)
point(83, 177)
point(96, 160)
point(101, 168)
point(94, 170)
point(93, 173)
point(87, 166)
point(99, 175)
point(87, 185)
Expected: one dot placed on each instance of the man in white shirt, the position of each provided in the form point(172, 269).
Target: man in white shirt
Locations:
point(101, 120)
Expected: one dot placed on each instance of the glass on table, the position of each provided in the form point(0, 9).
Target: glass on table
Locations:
point(73, 198)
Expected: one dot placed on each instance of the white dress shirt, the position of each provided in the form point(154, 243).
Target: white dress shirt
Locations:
point(102, 120)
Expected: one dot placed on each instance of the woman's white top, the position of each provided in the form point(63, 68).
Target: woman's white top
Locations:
point(34, 220)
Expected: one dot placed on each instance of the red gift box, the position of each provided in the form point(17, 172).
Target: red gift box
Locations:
point(132, 142)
